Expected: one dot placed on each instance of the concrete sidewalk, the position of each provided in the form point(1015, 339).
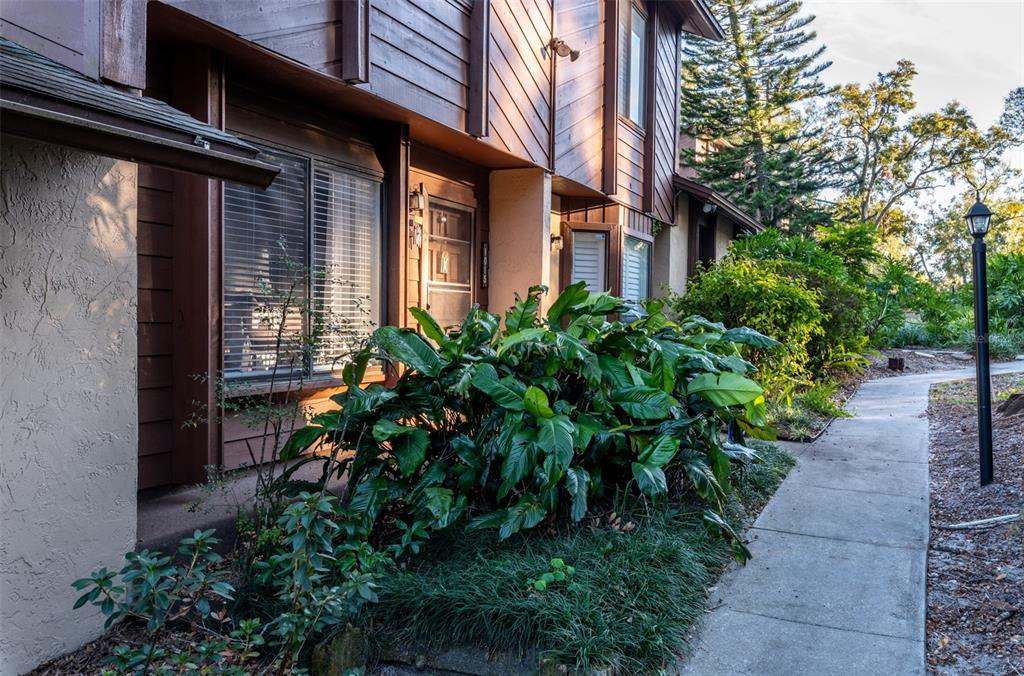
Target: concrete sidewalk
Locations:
point(837, 581)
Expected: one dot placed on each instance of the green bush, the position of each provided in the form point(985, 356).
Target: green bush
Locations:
point(509, 428)
point(746, 292)
point(843, 299)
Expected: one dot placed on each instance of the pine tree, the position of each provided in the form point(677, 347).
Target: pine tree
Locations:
point(745, 96)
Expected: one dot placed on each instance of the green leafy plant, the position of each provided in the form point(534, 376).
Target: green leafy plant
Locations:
point(154, 590)
point(507, 428)
point(741, 291)
point(558, 572)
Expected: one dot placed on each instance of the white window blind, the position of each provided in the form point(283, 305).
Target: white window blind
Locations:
point(346, 259)
point(264, 256)
point(636, 269)
point(589, 259)
point(317, 218)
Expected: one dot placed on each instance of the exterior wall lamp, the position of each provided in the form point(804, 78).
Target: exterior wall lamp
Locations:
point(561, 48)
point(978, 219)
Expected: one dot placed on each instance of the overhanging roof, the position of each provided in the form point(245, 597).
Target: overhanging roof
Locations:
point(44, 100)
point(701, 20)
point(707, 194)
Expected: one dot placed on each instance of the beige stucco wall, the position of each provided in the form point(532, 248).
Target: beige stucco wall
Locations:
point(68, 408)
point(519, 236)
point(723, 236)
point(668, 264)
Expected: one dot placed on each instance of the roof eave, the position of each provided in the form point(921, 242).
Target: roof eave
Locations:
point(702, 20)
point(149, 145)
point(708, 194)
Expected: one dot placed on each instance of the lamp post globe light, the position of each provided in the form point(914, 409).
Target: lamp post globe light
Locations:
point(978, 219)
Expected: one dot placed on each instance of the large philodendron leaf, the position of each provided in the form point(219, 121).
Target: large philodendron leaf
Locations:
point(724, 389)
point(536, 402)
point(431, 329)
point(300, 440)
point(506, 391)
point(410, 349)
point(650, 479)
point(519, 461)
point(645, 403)
point(574, 295)
point(748, 336)
point(408, 444)
point(523, 336)
point(577, 483)
point(554, 437)
point(523, 314)
point(660, 451)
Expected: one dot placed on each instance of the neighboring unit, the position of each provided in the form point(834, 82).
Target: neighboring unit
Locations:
point(162, 159)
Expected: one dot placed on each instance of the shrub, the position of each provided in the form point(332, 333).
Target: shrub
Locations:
point(745, 292)
point(508, 428)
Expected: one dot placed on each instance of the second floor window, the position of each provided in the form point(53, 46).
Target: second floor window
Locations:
point(632, 63)
point(313, 234)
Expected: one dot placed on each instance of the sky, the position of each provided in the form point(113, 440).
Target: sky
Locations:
point(968, 50)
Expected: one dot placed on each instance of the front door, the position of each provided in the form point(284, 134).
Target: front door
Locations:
point(449, 262)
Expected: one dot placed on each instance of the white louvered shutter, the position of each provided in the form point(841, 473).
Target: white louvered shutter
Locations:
point(345, 260)
point(264, 256)
point(589, 259)
point(636, 269)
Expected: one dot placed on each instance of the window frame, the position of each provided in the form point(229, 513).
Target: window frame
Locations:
point(312, 378)
point(625, 20)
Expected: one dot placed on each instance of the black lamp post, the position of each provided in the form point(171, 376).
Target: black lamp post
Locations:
point(978, 219)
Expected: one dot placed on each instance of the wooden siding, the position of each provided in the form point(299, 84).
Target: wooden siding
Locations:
point(156, 329)
point(67, 31)
point(630, 164)
point(665, 114)
point(520, 78)
point(579, 92)
point(419, 57)
point(307, 31)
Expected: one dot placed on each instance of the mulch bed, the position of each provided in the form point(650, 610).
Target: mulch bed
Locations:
point(975, 615)
point(917, 360)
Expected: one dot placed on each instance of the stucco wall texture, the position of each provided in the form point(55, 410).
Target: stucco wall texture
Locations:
point(68, 409)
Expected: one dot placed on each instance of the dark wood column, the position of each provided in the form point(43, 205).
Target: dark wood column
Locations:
point(199, 91)
point(393, 149)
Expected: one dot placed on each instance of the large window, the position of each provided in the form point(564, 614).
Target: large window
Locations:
point(313, 234)
point(632, 63)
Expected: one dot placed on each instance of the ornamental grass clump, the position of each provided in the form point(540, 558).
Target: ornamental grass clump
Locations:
point(509, 427)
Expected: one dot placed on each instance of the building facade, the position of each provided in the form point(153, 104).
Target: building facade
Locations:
point(427, 153)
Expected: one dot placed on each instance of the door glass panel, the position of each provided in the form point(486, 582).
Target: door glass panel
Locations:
point(589, 259)
point(450, 264)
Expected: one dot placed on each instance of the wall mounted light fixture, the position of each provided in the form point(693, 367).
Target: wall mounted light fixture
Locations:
point(560, 47)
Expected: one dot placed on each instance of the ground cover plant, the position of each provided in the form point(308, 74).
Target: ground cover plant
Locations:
point(639, 582)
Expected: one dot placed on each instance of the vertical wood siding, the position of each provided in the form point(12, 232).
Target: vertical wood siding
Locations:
point(665, 56)
point(156, 316)
point(630, 165)
point(579, 92)
point(520, 79)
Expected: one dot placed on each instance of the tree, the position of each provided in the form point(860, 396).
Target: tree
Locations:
point(943, 245)
point(742, 97)
point(890, 154)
